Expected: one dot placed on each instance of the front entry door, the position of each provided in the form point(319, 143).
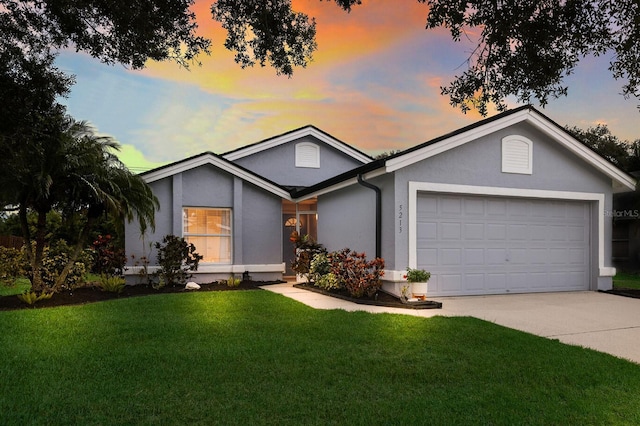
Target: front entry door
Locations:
point(301, 218)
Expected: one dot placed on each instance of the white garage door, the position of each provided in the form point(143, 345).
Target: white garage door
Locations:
point(495, 245)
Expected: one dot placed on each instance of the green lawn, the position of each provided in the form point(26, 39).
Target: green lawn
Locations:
point(254, 357)
point(626, 280)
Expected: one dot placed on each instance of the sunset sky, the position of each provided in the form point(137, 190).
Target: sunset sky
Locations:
point(374, 83)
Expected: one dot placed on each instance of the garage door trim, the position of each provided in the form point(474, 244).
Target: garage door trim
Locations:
point(415, 187)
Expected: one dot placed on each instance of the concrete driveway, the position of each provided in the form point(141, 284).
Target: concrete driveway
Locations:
point(599, 321)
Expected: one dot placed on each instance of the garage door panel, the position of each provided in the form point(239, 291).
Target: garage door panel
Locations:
point(496, 282)
point(451, 257)
point(450, 231)
point(474, 231)
point(500, 244)
point(451, 283)
point(474, 256)
point(496, 231)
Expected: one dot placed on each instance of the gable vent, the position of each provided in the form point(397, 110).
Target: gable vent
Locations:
point(307, 155)
point(517, 155)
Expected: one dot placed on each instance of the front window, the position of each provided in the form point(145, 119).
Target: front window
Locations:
point(210, 231)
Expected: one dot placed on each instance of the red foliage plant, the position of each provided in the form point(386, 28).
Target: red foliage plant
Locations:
point(359, 276)
point(109, 259)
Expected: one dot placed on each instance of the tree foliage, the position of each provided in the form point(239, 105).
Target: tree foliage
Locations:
point(72, 170)
point(525, 48)
point(129, 32)
point(623, 154)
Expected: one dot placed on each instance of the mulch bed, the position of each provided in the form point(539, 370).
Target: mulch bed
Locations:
point(626, 292)
point(380, 299)
point(95, 294)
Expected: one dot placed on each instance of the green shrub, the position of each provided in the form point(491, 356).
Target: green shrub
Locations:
point(177, 258)
point(329, 282)
point(55, 258)
point(112, 284)
point(306, 249)
point(12, 265)
point(319, 267)
point(31, 297)
point(233, 281)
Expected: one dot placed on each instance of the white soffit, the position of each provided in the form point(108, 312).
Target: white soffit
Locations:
point(295, 135)
point(621, 181)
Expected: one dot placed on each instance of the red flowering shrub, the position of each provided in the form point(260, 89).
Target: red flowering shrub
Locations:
point(108, 259)
point(359, 276)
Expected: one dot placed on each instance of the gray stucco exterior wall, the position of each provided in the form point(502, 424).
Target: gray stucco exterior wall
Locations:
point(256, 214)
point(278, 164)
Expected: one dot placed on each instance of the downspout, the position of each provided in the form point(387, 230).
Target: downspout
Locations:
point(362, 182)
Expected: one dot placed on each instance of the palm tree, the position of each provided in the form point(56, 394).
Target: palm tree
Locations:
point(76, 171)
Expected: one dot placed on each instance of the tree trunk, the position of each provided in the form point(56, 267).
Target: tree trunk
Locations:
point(34, 257)
point(73, 256)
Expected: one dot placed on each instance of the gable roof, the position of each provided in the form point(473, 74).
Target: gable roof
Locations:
point(219, 162)
point(621, 180)
point(292, 135)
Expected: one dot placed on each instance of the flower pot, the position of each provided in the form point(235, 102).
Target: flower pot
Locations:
point(419, 290)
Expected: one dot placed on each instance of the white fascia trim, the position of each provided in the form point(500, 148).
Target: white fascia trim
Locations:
point(216, 269)
point(300, 133)
point(582, 151)
point(541, 123)
point(343, 184)
point(222, 165)
point(415, 187)
point(453, 142)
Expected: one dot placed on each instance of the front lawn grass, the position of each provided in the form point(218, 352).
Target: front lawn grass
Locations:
point(254, 357)
point(624, 280)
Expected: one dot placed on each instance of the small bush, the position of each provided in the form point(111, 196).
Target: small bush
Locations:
point(177, 258)
point(233, 281)
point(359, 276)
point(111, 283)
point(55, 257)
point(12, 265)
point(329, 282)
point(31, 297)
point(306, 249)
point(108, 259)
point(319, 267)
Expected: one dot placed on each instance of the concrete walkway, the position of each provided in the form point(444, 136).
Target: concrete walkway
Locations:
point(599, 321)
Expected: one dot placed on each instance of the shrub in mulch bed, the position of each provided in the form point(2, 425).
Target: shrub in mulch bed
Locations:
point(380, 299)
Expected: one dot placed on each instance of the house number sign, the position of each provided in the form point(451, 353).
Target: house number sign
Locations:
point(400, 214)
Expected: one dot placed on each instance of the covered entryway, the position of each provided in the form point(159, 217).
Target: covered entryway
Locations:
point(475, 244)
point(299, 217)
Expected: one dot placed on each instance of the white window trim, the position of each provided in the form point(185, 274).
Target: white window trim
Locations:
point(415, 187)
point(230, 236)
point(315, 162)
point(506, 142)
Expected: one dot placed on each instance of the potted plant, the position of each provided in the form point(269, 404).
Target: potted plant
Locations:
point(418, 279)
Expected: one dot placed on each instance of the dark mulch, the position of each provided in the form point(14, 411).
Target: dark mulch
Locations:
point(626, 292)
point(95, 294)
point(380, 299)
